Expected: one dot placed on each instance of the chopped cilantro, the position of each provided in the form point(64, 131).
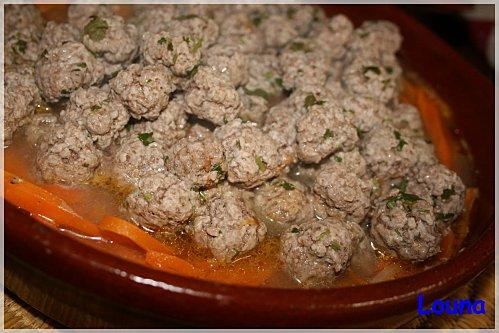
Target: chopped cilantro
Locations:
point(238, 144)
point(147, 196)
point(445, 216)
point(95, 108)
point(447, 193)
point(146, 138)
point(163, 40)
point(257, 92)
point(295, 230)
point(374, 69)
point(405, 198)
point(218, 168)
point(257, 17)
point(335, 245)
point(278, 81)
point(401, 141)
point(190, 74)
point(402, 186)
point(201, 193)
point(20, 46)
point(197, 45)
point(299, 46)
point(262, 165)
point(96, 29)
point(360, 133)
point(328, 134)
point(310, 100)
point(82, 64)
point(338, 158)
point(284, 184)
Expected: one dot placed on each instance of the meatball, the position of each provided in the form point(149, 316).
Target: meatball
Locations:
point(364, 113)
point(281, 203)
point(303, 62)
point(372, 78)
point(212, 98)
point(199, 28)
point(255, 105)
point(404, 223)
point(160, 200)
point(144, 90)
point(225, 225)
point(351, 160)
point(80, 15)
point(112, 39)
point(345, 193)
point(38, 127)
point(302, 17)
point(21, 96)
point(102, 116)
point(22, 46)
point(278, 31)
point(199, 161)
point(335, 35)
point(67, 156)
point(376, 36)
point(323, 131)
point(181, 54)
point(230, 62)
point(241, 30)
point(22, 16)
point(66, 68)
point(280, 125)
point(56, 34)
point(391, 153)
point(252, 156)
point(170, 126)
point(153, 18)
point(317, 250)
point(137, 156)
point(406, 117)
point(265, 74)
point(446, 189)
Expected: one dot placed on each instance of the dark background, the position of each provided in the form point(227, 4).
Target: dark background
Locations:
point(466, 35)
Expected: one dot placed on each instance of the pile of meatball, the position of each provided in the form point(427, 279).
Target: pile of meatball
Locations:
point(234, 123)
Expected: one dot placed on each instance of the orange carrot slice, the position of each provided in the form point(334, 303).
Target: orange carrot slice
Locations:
point(134, 233)
point(171, 264)
point(44, 206)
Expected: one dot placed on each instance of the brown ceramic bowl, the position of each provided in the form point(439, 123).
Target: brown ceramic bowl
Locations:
point(82, 287)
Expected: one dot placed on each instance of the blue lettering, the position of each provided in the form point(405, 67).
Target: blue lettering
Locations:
point(421, 310)
point(452, 309)
point(479, 307)
point(438, 307)
point(464, 304)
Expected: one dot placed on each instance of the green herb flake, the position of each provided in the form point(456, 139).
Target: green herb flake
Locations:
point(96, 29)
point(360, 133)
point(163, 40)
point(338, 158)
point(278, 81)
point(147, 196)
point(257, 18)
point(218, 168)
point(44, 53)
point(407, 199)
point(262, 165)
point(128, 127)
point(374, 69)
point(447, 193)
point(363, 34)
point(445, 216)
point(310, 100)
point(285, 185)
point(238, 144)
point(335, 245)
point(82, 64)
point(295, 230)
point(190, 74)
point(402, 186)
point(197, 45)
point(257, 92)
point(95, 108)
point(146, 138)
point(201, 193)
point(389, 69)
point(166, 158)
point(268, 75)
point(20, 46)
point(299, 46)
point(324, 234)
point(401, 141)
point(328, 134)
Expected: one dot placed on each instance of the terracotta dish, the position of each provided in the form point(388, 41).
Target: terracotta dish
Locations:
point(81, 286)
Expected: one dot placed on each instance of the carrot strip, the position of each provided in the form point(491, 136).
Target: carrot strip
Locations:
point(171, 264)
point(45, 207)
point(134, 233)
